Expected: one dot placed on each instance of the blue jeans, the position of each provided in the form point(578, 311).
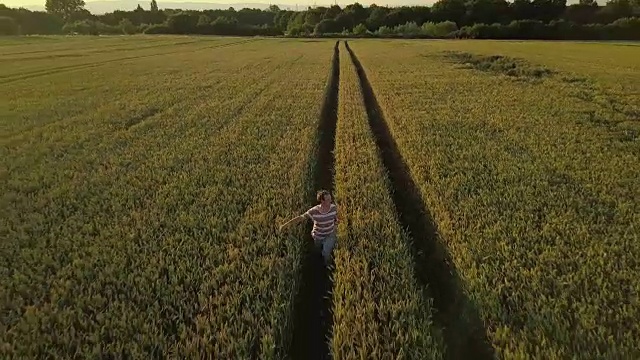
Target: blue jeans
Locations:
point(326, 245)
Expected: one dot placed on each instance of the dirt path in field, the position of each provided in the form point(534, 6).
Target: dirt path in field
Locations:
point(465, 336)
point(313, 318)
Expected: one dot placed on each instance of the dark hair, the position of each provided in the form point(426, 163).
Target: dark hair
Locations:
point(321, 194)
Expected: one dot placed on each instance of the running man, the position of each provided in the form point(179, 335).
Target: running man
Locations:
point(325, 223)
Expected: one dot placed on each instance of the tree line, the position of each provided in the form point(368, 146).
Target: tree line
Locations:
point(520, 19)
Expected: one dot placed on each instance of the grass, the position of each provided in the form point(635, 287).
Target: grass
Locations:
point(536, 206)
point(142, 178)
point(379, 310)
point(141, 206)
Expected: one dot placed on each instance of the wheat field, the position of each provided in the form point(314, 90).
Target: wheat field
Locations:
point(488, 195)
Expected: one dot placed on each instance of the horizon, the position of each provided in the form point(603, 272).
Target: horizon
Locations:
point(104, 6)
point(32, 3)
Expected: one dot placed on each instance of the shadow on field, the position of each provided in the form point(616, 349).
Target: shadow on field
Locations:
point(313, 317)
point(464, 333)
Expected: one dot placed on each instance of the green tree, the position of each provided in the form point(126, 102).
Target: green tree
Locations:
point(547, 10)
point(296, 21)
point(154, 6)
point(9, 26)
point(204, 25)
point(521, 9)
point(614, 10)
point(326, 26)
point(204, 20)
point(449, 10)
point(487, 11)
point(128, 27)
point(361, 29)
point(376, 18)
point(64, 8)
point(358, 13)
point(332, 12)
point(281, 20)
point(182, 23)
point(313, 17)
point(584, 12)
point(621, 8)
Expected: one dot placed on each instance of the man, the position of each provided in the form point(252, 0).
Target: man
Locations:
point(325, 221)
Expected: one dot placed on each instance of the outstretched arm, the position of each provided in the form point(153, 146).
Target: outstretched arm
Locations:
point(296, 220)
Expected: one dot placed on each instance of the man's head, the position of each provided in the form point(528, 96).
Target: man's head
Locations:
point(324, 197)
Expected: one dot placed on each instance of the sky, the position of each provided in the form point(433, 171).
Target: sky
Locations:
point(17, 3)
point(130, 4)
point(26, 3)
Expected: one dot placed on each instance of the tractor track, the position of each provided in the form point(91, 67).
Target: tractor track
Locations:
point(464, 335)
point(313, 318)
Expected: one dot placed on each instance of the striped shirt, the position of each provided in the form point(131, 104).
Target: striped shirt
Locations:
point(324, 223)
